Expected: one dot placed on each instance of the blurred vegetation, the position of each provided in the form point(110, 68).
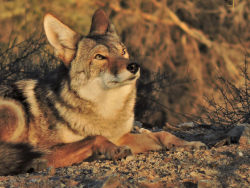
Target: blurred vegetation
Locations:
point(22, 18)
point(183, 47)
point(234, 108)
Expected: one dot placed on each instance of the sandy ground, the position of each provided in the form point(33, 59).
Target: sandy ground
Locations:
point(226, 165)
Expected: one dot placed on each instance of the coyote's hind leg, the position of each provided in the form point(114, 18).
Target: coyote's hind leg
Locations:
point(12, 120)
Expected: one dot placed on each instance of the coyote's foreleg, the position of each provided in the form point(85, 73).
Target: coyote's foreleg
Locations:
point(151, 141)
point(76, 152)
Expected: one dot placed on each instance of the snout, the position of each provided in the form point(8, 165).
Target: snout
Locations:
point(120, 71)
point(133, 67)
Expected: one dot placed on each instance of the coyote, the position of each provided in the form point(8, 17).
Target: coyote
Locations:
point(83, 109)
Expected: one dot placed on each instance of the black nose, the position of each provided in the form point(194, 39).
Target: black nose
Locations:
point(133, 67)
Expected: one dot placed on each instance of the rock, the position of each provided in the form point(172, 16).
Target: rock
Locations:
point(138, 124)
point(240, 134)
point(71, 183)
point(189, 184)
point(142, 130)
point(208, 184)
point(187, 125)
point(112, 182)
point(115, 181)
point(129, 158)
point(153, 185)
point(240, 154)
point(245, 137)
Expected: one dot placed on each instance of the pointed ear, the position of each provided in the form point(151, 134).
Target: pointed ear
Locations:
point(61, 37)
point(100, 23)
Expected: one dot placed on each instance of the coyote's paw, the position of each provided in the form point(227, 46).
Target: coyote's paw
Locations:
point(109, 150)
point(196, 145)
point(118, 152)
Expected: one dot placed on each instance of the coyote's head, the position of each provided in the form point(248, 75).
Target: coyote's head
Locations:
point(99, 58)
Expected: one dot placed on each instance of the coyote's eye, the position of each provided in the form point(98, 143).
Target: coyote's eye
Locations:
point(123, 51)
point(99, 57)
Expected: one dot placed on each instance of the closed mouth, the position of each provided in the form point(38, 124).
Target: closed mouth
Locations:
point(129, 79)
point(132, 78)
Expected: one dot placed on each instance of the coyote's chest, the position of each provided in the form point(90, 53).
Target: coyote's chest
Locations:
point(111, 114)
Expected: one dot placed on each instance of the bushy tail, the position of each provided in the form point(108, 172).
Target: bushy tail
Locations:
point(19, 158)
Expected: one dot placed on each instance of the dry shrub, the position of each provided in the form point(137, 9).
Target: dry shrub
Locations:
point(28, 59)
point(234, 108)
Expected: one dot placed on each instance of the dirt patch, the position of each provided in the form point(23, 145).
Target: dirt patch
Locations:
point(226, 166)
point(222, 165)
